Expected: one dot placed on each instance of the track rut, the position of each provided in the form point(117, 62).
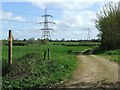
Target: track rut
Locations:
point(94, 71)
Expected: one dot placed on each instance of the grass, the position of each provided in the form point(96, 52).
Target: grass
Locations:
point(34, 74)
point(30, 71)
point(112, 55)
point(19, 51)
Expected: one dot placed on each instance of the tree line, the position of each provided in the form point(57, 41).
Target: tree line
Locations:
point(24, 42)
point(108, 23)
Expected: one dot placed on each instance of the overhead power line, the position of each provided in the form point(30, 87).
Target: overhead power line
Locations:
point(88, 35)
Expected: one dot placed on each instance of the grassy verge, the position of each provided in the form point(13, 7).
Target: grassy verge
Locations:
point(29, 70)
point(112, 55)
point(32, 73)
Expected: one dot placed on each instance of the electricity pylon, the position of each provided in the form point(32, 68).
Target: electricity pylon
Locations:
point(88, 35)
point(46, 30)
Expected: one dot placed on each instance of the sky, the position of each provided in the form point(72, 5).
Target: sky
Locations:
point(72, 18)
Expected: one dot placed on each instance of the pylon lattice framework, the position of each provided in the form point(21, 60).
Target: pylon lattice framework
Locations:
point(46, 30)
point(88, 35)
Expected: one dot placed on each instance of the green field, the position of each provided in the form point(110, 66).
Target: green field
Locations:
point(19, 51)
point(30, 70)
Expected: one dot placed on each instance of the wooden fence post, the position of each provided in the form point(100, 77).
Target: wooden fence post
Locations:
point(39, 56)
point(10, 47)
point(44, 55)
point(48, 54)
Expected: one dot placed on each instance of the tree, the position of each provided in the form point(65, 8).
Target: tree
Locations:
point(31, 41)
point(62, 40)
point(108, 23)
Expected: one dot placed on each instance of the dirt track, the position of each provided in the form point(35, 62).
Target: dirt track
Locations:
point(94, 71)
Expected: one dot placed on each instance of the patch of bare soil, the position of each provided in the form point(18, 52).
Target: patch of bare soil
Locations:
point(94, 72)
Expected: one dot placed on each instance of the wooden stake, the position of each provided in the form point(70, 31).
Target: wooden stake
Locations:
point(44, 55)
point(10, 47)
point(48, 54)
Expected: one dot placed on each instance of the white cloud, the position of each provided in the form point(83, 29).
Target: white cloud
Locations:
point(19, 18)
point(64, 4)
point(9, 16)
point(30, 33)
point(76, 19)
point(71, 0)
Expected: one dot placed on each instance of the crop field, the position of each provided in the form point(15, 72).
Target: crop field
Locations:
point(29, 69)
